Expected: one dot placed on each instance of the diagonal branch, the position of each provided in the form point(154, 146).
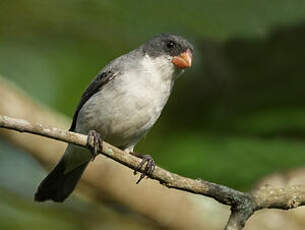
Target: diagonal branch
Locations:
point(243, 205)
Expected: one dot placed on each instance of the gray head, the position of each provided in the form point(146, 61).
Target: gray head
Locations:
point(175, 47)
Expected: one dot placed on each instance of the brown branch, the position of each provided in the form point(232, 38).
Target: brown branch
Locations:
point(243, 205)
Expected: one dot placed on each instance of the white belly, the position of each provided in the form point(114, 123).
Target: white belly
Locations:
point(126, 108)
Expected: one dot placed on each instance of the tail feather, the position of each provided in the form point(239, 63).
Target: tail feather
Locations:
point(58, 185)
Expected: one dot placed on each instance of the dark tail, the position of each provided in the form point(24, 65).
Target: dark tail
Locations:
point(58, 185)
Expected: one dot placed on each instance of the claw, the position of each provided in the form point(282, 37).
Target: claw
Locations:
point(94, 142)
point(149, 168)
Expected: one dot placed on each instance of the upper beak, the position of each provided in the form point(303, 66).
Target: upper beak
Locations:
point(184, 60)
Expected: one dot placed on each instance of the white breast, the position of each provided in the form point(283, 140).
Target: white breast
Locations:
point(128, 106)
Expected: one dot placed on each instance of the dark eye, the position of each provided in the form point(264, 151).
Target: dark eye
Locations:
point(170, 44)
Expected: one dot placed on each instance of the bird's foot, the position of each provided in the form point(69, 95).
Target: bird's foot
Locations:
point(94, 142)
point(149, 168)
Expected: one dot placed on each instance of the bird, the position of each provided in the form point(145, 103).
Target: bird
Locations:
point(120, 106)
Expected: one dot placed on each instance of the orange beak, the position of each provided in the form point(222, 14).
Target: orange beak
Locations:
point(184, 60)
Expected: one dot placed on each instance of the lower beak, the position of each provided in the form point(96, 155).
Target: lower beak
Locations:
point(184, 60)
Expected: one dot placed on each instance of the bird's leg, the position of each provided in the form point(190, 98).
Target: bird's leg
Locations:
point(149, 168)
point(94, 142)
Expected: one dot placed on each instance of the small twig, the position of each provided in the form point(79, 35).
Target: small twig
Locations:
point(243, 205)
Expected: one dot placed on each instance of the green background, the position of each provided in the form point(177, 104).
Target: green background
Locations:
point(236, 116)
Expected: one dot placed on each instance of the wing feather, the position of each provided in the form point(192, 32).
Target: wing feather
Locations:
point(100, 80)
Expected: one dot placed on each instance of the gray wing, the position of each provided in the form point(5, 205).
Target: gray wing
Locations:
point(100, 80)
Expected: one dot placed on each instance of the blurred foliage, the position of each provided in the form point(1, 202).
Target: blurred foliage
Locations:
point(237, 115)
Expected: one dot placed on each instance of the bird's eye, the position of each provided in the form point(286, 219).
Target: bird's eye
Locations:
point(170, 44)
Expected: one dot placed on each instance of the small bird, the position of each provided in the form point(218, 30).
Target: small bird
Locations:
point(120, 106)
